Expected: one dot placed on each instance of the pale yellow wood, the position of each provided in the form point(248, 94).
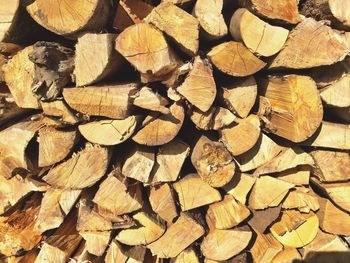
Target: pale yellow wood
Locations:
point(59, 108)
point(186, 256)
point(265, 247)
point(336, 94)
point(302, 199)
point(146, 98)
point(287, 255)
point(297, 176)
point(240, 186)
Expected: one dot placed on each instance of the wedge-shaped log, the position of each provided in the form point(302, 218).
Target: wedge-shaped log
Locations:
point(109, 132)
point(216, 118)
point(59, 108)
point(178, 25)
point(61, 17)
point(234, 59)
point(302, 199)
point(81, 170)
point(265, 247)
point(336, 94)
point(296, 111)
point(202, 194)
point(259, 36)
point(177, 237)
point(311, 44)
point(240, 186)
point(113, 101)
point(213, 162)
point(188, 255)
point(147, 99)
point(199, 87)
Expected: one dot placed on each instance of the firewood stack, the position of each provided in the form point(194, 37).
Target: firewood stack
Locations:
point(178, 131)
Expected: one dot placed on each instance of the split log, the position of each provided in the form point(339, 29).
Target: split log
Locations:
point(112, 101)
point(148, 231)
point(160, 130)
point(234, 59)
point(139, 163)
point(202, 194)
point(216, 118)
point(260, 37)
point(178, 25)
point(142, 45)
point(211, 20)
point(288, 254)
point(332, 219)
point(306, 42)
point(169, 161)
point(281, 10)
point(96, 242)
point(55, 145)
point(298, 176)
point(302, 199)
point(162, 201)
point(116, 253)
point(199, 87)
point(130, 12)
point(61, 17)
point(81, 170)
point(117, 195)
point(265, 248)
point(59, 108)
point(188, 255)
point(109, 132)
point(55, 206)
point(331, 135)
point(295, 229)
point(336, 94)
point(240, 186)
point(227, 213)
point(224, 244)
point(100, 49)
point(262, 152)
point(146, 98)
point(340, 171)
point(241, 138)
point(268, 192)
point(332, 10)
point(213, 162)
point(240, 96)
point(290, 119)
point(19, 74)
point(177, 237)
point(261, 220)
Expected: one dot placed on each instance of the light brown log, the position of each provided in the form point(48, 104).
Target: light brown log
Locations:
point(297, 176)
point(81, 170)
point(109, 132)
point(7, 50)
point(224, 244)
point(169, 161)
point(289, 158)
point(199, 87)
point(263, 151)
point(111, 101)
point(227, 213)
point(13, 190)
point(241, 138)
point(331, 135)
point(188, 255)
point(115, 253)
point(55, 206)
point(161, 198)
point(98, 48)
point(338, 171)
point(59, 108)
point(139, 163)
point(302, 199)
point(211, 20)
point(295, 229)
point(160, 130)
point(268, 192)
point(146, 98)
point(142, 45)
point(335, 11)
point(19, 74)
point(118, 195)
point(96, 242)
point(192, 197)
point(177, 237)
point(240, 96)
point(148, 231)
point(282, 10)
point(216, 118)
point(287, 255)
point(295, 120)
point(62, 18)
point(306, 42)
point(265, 247)
point(213, 162)
point(234, 59)
point(240, 186)
point(263, 219)
point(259, 36)
point(336, 94)
point(16, 227)
point(178, 25)
point(55, 145)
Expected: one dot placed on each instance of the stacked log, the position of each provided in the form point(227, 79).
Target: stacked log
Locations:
point(182, 131)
